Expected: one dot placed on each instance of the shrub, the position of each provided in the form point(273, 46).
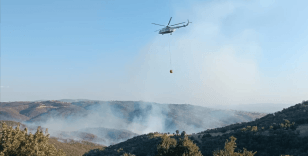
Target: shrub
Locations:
point(15, 142)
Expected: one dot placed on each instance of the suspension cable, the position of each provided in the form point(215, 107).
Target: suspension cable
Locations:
point(169, 40)
point(170, 55)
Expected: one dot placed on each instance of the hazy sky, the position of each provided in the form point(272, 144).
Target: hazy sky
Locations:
point(233, 52)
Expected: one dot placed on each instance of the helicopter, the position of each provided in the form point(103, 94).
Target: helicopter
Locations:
point(170, 29)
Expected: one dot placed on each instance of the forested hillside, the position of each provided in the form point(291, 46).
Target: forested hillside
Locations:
point(284, 133)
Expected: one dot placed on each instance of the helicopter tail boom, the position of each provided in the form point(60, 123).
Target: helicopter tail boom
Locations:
point(182, 25)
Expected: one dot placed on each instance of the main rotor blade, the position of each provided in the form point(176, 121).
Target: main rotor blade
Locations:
point(178, 24)
point(156, 30)
point(169, 21)
point(157, 24)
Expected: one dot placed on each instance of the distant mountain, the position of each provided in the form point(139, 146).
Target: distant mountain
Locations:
point(54, 111)
point(113, 117)
point(8, 114)
point(74, 100)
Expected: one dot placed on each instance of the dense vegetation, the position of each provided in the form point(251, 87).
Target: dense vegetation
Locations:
point(70, 147)
point(16, 142)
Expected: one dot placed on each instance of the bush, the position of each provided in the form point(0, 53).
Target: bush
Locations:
point(15, 142)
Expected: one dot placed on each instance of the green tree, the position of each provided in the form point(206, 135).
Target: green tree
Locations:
point(119, 150)
point(287, 124)
point(254, 128)
point(166, 147)
point(15, 142)
point(177, 132)
point(249, 128)
point(170, 147)
point(183, 133)
point(229, 149)
point(186, 147)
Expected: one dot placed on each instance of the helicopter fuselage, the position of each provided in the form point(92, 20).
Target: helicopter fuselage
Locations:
point(166, 30)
